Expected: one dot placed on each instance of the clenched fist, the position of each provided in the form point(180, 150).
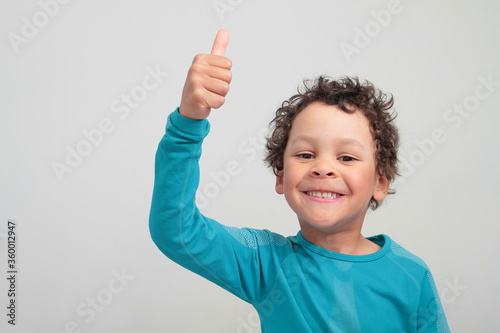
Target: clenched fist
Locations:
point(207, 82)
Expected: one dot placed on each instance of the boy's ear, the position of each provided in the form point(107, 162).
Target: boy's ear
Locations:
point(279, 182)
point(381, 188)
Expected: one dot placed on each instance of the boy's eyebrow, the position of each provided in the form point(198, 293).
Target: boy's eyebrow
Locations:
point(339, 141)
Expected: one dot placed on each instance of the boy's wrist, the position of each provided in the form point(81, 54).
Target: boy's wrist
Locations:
point(182, 110)
point(198, 127)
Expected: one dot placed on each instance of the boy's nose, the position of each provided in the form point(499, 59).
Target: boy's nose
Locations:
point(328, 174)
point(323, 170)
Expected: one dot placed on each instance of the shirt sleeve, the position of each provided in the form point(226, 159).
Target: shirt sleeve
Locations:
point(230, 257)
point(430, 315)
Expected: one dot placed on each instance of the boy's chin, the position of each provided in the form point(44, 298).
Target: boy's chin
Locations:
point(320, 227)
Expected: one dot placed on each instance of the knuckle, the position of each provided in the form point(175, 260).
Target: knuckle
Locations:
point(193, 73)
point(199, 58)
point(196, 68)
point(218, 102)
point(198, 94)
point(195, 81)
point(229, 76)
point(225, 88)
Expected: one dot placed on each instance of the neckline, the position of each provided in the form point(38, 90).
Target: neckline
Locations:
point(382, 240)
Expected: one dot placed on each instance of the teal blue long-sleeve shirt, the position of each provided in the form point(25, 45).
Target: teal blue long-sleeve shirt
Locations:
point(294, 285)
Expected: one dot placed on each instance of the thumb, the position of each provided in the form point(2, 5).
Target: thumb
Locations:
point(220, 43)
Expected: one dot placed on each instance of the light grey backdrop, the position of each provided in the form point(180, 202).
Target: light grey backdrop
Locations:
point(86, 87)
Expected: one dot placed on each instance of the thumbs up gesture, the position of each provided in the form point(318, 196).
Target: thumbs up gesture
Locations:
point(207, 82)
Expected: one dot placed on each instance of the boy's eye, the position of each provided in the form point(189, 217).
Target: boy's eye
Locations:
point(347, 159)
point(306, 156)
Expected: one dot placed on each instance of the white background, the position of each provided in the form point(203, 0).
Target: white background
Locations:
point(77, 232)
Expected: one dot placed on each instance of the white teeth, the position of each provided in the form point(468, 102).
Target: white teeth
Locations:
point(324, 195)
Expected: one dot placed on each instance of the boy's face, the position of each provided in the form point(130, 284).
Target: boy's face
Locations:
point(329, 170)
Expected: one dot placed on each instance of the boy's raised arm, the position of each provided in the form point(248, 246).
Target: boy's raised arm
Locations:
point(207, 82)
point(177, 227)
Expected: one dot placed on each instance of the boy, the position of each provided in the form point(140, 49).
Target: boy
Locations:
point(333, 150)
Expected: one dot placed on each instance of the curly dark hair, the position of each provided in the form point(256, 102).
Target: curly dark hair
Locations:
point(349, 94)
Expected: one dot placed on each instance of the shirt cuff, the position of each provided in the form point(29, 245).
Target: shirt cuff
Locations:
point(192, 127)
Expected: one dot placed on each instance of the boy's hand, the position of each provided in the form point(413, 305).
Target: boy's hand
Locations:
point(207, 82)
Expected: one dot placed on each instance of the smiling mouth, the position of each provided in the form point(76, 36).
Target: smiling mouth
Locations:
point(323, 195)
